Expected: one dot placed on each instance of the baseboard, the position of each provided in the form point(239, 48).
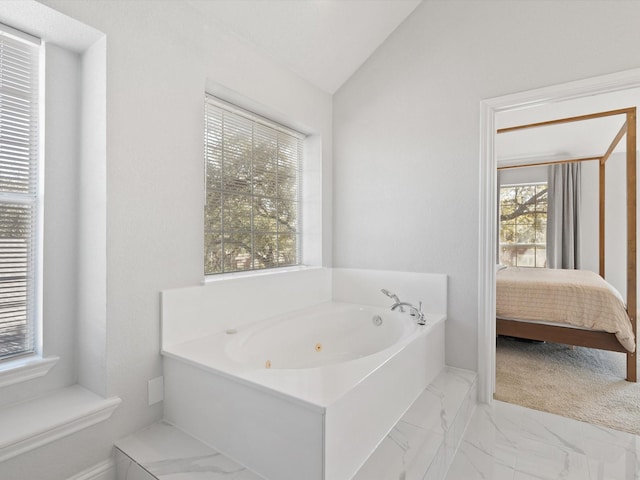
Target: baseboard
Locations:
point(105, 470)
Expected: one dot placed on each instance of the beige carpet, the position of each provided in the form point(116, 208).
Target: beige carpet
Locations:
point(585, 384)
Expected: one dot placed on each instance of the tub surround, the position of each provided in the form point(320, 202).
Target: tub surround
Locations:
point(420, 446)
point(323, 421)
point(193, 312)
point(316, 388)
point(363, 286)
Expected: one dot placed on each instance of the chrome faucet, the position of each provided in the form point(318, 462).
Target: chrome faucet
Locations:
point(392, 296)
point(413, 311)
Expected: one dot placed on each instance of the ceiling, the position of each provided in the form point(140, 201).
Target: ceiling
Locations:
point(322, 41)
point(565, 141)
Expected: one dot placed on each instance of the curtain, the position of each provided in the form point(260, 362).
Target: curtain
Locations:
point(563, 216)
point(498, 185)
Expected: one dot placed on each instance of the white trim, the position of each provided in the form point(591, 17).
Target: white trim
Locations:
point(254, 117)
point(34, 423)
point(486, 256)
point(38, 291)
point(105, 470)
point(255, 273)
point(487, 231)
point(25, 368)
point(13, 32)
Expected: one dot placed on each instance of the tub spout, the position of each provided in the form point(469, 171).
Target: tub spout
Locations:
point(413, 311)
point(393, 297)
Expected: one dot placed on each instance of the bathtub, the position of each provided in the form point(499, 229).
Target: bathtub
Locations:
point(307, 394)
point(324, 335)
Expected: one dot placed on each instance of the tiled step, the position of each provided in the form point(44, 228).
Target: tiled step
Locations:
point(423, 443)
point(162, 451)
point(420, 446)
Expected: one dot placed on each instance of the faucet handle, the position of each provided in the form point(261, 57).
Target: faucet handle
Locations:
point(421, 319)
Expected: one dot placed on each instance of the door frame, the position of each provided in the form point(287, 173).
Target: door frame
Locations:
point(487, 231)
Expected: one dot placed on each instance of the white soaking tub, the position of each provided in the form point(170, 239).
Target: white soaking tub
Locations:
point(327, 334)
point(308, 394)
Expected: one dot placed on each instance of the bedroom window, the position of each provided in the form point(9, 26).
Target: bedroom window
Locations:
point(20, 193)
point(523, 225)
point(252, 211)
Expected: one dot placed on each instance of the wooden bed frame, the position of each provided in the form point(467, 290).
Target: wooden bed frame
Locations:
point(580, 337)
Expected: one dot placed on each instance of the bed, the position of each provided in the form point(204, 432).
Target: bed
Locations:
point(576, 307)
point(580, 300)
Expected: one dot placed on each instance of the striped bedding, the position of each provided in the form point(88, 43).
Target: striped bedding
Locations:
point(578, 298)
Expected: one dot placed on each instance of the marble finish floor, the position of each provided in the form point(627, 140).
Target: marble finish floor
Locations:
point(509, 442)
point(419, 447)
point(501, 442)
point(163, 452)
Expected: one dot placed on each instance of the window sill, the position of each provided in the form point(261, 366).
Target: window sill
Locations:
point(34, 423)
point(25, 368)
point(255, 273)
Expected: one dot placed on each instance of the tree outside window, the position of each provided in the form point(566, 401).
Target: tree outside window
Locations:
point(523, 225)
point(252, 211)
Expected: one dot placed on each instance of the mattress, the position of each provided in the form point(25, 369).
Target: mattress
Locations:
point(578, 298)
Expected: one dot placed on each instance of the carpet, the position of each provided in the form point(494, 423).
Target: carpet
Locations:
point(584, 383)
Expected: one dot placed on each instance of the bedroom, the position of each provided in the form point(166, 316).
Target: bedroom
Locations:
point(565, 234)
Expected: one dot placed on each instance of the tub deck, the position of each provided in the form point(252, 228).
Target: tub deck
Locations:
point(323, 421)
point(316, 388)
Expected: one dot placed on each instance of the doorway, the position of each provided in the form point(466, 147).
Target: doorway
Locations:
point(488, 198)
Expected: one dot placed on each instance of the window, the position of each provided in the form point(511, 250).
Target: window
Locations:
point(19, 191)
point(523, 225)
point(252, 211)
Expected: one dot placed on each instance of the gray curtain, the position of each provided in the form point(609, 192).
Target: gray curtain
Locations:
point(498, 184)
point(563, 216)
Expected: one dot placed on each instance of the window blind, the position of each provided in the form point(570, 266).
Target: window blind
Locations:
point(253, 191)
point(19, 192)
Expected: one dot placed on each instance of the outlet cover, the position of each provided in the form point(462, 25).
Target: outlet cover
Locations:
point(156, 390)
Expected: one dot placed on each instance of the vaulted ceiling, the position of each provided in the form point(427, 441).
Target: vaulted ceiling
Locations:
point(323, 41)
point(326, 41)
point(571, 140)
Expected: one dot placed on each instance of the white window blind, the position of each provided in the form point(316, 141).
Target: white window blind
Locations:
point(252, 211)
point(19, 191)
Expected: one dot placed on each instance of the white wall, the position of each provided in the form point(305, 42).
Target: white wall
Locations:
point(615, 220)
point(515, 176)
point(159, 58)
point(406, 130)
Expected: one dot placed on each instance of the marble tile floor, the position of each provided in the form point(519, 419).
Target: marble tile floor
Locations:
point(163, 452)
point(422, 444)
point(509, 442)
point(501, 442)
point(419, 447)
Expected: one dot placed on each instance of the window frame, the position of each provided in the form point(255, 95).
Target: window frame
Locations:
point(257, 122)
point(28, 363)
point(536, 245)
